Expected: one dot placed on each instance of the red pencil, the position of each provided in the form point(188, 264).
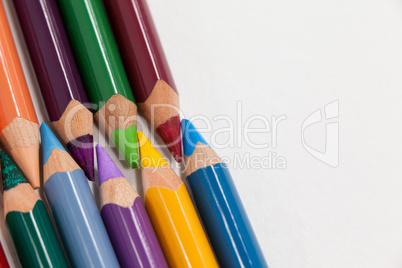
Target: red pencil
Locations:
point(3, 259)
point(148, 72)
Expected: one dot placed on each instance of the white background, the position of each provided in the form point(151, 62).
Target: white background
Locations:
point(291, 58)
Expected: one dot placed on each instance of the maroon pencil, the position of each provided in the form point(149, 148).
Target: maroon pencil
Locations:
point(58, 78)
point(149, 74)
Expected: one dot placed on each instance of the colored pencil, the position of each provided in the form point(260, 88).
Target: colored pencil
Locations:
point(102, 72)
point(126, 219)
point(58, 77)
point(73, 206)
point(172, 213)
point(19, 128)
point(3, 259)
point(28, 221)
point(219, 204)
point(147, 69)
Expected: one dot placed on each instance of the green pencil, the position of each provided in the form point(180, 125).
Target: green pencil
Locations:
point(102, 72)
point(28, 221)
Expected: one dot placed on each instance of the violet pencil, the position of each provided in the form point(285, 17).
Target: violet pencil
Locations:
point(126, 219)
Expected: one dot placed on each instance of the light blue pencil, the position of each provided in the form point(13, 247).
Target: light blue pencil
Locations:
point(73, 206)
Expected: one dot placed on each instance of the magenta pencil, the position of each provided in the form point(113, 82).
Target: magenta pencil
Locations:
point(124, 215)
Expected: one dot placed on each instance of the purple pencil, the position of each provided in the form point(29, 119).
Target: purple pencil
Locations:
point(126, 220)
point(58, 78)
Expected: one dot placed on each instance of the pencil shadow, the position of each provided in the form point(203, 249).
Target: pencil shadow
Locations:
point(138, 182)
point(95, 184)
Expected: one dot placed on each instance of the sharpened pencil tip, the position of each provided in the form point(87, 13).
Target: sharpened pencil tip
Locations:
point(126, 142)
point(49, 142)
point(11, 175)
point(150, 157)
point(190, 137)
point(82, 150)
point(170, 134)
point(107, 169)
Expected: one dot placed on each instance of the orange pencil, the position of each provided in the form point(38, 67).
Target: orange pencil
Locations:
point(19, 128)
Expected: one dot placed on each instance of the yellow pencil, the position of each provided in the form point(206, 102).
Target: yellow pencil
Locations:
point(172, 213)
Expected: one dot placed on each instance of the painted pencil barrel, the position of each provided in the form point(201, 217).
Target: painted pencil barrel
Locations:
point(3, 259)
point(225, 218)
point(15, 99)
point(79, 221)
point(132, 236)
point(51, 55)
point(145, 60)
point(95, 49)
point(19, 129)
point(178, 228)
point(34, 238)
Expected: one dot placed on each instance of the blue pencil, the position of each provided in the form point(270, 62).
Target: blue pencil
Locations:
point(219, 204)
point(73, 206)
